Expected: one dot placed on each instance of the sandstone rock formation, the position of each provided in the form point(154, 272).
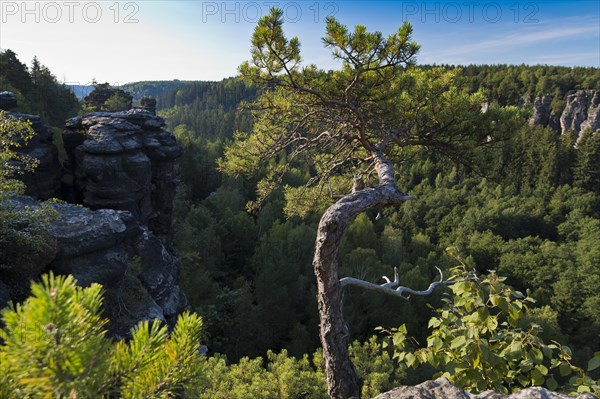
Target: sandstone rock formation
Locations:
point(123, 161)
point(581, 112)
point(120, 167)
point(8, 100)
point(442, 388)
point(542, 113)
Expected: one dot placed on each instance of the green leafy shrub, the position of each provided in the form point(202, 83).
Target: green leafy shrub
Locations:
point(482, 339)
point(13, 134)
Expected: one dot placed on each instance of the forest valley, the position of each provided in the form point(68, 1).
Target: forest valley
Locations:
point(382, 168)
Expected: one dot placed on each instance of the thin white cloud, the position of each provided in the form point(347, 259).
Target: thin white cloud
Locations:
point(567, 58)
point(524, 38)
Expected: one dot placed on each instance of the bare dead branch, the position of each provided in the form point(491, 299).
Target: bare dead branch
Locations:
point(388, 286)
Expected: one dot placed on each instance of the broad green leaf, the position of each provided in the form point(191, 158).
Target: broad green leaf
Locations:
point(536, 377)
point(523, 380)
point(564, 369)
point(536, 355)
point(547, 351)
point(434, 322)
point(583, 388)
point(458, 342)
point(551, 384)
point(542, 369)
point(594, 363)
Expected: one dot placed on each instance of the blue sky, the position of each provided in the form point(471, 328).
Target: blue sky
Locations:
point(125, 41)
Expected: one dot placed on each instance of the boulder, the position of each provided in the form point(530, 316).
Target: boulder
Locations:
point(442, 388)
point(120, 167)
point(8, 100)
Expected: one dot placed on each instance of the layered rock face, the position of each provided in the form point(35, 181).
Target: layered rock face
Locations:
point(8, 100)
point(120, 167)
point(139, 274)
point(123, 161)
point(542, 113)
point(581, 112)
point(441, 388)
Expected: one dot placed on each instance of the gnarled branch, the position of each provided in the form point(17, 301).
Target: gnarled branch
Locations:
point(388, 286)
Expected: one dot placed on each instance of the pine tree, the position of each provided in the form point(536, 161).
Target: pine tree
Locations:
point(55, 345)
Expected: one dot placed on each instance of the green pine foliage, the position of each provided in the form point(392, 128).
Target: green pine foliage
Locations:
point(210, 109)
point(527, 207)
point(55, 345)
point(153, 88)
point(524, 210)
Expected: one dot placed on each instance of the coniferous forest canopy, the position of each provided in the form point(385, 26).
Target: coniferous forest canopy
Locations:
point(526, 208)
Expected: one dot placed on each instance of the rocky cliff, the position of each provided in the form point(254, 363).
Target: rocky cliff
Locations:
point(139, 274)
point(114, 228)
point(581, 112)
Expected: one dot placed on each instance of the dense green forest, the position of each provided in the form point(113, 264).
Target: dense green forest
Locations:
point(153, 88)
point(530, 211)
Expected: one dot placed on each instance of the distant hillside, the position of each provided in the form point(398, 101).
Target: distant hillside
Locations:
point(136, 89)
point(81, 91)
point(153, 88)
point(209, 109)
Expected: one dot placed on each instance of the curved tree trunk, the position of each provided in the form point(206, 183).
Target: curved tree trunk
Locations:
point(342, 379)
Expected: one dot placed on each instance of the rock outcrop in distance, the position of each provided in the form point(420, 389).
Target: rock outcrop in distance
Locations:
point(102, 92)
point(581, 112)
point(442, 388)
point(118, 183)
